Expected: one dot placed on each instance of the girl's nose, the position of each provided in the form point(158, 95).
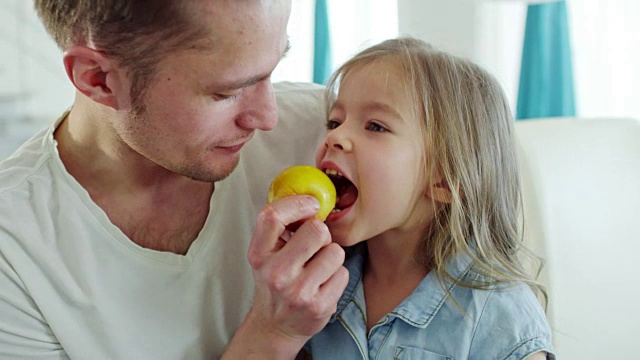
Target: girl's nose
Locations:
point(339, 139)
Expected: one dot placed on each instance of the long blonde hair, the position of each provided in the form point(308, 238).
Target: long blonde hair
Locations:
point(469, 140)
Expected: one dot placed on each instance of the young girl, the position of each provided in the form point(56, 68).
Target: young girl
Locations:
point(420, 146)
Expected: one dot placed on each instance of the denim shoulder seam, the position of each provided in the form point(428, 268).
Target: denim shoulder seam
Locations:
point(477, 324)
point(550, 355)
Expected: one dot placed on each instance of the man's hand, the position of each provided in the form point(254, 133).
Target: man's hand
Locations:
point(299, 280)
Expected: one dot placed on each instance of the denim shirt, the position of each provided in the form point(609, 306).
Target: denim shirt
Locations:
point(506, 322)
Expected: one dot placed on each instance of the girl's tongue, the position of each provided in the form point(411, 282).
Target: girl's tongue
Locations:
point(347, 194)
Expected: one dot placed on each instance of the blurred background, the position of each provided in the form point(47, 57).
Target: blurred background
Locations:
point(553, 58)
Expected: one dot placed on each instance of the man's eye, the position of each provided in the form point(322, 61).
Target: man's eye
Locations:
point(372, 126)
point(332, 124)
point(226, 96)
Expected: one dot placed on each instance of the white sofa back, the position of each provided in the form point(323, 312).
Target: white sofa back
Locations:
point(582, 206)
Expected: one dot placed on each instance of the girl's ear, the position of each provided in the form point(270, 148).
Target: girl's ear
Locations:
point(439, 191)
point(94, 75)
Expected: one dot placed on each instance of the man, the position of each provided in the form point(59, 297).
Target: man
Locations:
point(123, 232)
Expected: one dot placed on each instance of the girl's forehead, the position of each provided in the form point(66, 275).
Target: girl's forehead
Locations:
point(379, 76)
point(388, 65)
point(385, 84)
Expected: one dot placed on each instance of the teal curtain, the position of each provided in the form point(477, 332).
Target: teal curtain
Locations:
point(546, 75)
point(322, 44)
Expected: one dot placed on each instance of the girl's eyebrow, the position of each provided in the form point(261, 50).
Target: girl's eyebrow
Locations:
point(372, 106)
point(382, 107)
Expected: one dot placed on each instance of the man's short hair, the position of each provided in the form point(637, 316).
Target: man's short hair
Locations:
point(137, 33)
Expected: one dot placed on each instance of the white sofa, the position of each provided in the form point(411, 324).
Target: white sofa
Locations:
point(582, 207)
point(581, 194)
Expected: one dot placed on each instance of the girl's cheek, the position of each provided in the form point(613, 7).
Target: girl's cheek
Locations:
point(321, 150)
point(319, 155)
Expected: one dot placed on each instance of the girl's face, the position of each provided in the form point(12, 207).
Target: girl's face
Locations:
point(374, 140)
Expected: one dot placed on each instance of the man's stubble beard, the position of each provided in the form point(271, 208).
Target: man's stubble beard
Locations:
point(138, 118)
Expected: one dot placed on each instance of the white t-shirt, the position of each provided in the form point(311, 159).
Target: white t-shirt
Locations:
point(72, 285)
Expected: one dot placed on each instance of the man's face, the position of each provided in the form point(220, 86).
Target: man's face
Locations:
point(203, 106)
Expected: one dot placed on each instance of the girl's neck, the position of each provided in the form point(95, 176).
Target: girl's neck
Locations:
point(391, 274)
point(392, 256)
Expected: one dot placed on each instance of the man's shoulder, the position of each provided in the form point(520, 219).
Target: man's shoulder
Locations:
point(24, 164)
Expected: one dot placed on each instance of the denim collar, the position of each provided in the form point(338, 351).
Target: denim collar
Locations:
point(354, 262)
point(425, 301)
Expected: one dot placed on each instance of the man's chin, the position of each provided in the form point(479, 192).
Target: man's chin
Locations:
point(211, 175)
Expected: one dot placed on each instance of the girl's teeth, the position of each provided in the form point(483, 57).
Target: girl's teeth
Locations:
point(332, 172)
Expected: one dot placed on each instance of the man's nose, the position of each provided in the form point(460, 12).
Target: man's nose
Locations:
point(259, 109)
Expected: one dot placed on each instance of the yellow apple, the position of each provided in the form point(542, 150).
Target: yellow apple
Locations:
point(305, 180)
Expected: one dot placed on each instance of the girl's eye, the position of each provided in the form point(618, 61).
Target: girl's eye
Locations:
point(376, 127)
point(332, 124)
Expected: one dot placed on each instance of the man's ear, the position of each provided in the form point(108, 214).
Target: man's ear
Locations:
point(439, 191)
point(94, 75)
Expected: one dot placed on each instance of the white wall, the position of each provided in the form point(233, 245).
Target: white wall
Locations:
point(606, 56)
point(31, 64)
point(298, 64)
point(604, 36)
point(489, 33)
point(33, 85)
point(354, 24)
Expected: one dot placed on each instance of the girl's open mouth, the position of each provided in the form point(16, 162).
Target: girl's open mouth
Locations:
point(346, 192)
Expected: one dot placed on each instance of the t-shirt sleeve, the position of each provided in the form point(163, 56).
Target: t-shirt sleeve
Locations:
point(513, 326)
point(24, 333)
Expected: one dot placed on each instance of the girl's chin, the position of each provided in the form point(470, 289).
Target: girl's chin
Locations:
point(343, 240)
point(337, 237)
